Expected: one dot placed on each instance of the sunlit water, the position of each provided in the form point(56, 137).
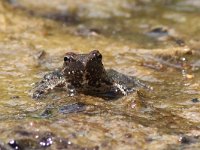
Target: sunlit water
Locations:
point(148, 119)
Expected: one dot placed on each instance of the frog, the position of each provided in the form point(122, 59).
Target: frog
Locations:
point(86, 74)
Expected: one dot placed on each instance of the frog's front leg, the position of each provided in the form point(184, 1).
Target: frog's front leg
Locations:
point(48, 83)
point(123, 84)
point(119, 88)
point(70, 89)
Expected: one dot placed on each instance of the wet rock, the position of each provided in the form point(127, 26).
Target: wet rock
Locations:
point(47, 112)
point(57, 15)
point(32, 141)
point(61, 16)
point(180, 42)
point(166, 62)
point(86, 32)
point(24, 144)
point(195, 100)
point(188, 4)
point(128, 135)
point(189, 139)
point(4, 146)
point(163, 34)
point(63, 143)
point(14, 144)
point(39, 55)
point(196, 65)
point(46, 141)
point(158, 32)
point(72, 108)
point(14, 97)
point(22, 132)
point(39, 58)
point(154, 65)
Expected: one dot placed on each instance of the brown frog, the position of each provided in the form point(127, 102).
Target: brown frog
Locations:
point(85, 73)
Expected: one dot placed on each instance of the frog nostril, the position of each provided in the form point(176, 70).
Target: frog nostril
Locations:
point(99, 56)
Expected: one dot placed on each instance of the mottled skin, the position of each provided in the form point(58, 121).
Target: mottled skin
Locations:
point(85, 73)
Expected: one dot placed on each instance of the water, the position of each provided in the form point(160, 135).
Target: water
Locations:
point(167, 60)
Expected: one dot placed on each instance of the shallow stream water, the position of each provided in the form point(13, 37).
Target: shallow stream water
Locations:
point(156, 41)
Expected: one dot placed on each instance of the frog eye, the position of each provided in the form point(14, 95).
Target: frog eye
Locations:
point(97, 54)
point(68, 59)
